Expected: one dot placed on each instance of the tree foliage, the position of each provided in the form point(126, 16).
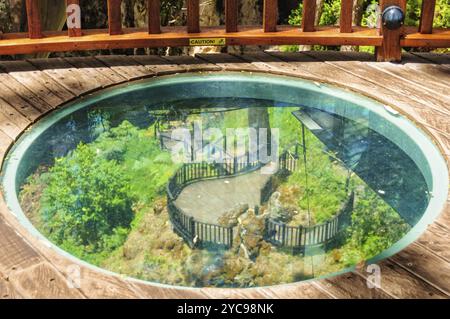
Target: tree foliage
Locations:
point(87, 198)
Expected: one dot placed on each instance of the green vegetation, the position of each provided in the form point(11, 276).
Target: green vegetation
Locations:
point(366, 16)
point(88, 199)
point(105, 203)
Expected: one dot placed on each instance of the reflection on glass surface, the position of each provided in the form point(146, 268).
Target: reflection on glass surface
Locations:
point(102, 184)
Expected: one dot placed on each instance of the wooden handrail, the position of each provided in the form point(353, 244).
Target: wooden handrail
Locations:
point(388, 43)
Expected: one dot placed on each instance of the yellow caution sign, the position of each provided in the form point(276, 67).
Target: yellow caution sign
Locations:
point(207, 41)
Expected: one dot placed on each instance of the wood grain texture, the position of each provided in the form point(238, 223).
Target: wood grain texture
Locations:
point(37, 81)
point(427, 16)
point(175, 36)
point(346, 17)
point(104, 75)
point(124, 66)
point(72, 79)
point(114, 17)
point(33, 19)
point(193, 16)
point(28, 268)
point(309, 15)
point(231, 16)
point(270, 15)
point(154, 16)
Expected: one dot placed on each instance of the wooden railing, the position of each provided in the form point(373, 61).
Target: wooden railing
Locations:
point(301, 237)
point(388, 42)
point(195, 232)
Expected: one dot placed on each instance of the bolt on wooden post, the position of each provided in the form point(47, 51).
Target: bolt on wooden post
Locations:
point(390, 50)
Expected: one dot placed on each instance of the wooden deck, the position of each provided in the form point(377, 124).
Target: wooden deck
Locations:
point(419, 88)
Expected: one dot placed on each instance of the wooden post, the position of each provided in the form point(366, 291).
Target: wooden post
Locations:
point(309, 15)
point(114, 17)
point(346, 17)
point(33, 19)
point(270, 15)
point(390, 50)
point(73, 18)
point(427, 16)
point(193, 16)
point(154, 16)
point(231, 16)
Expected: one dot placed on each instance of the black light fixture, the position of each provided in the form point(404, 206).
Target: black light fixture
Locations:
point(393, 17)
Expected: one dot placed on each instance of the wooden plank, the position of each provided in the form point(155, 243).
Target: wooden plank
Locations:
point(234, 293)
point(7, 291)
point(297, 291)
point(400, 283)
point(390, 50)
point(13, 115)
point(33, 19)
point(226, 61)
point(99, 71)
point(441, 59)
point(37, 81)
point(429, 77)
point(99, 77)
point(193, 16)
point(424, 82)
point(346, 17)
point(177, 36)
point(268, 63)
point(427, 16)
point(126, 67)
point(354, 286)
point(309, 15)
point(5, 143)
point(391, 82)
point(444, 218)
point(156, 65)
point(16, 253)
point(440, 38)
point(154, 16)
point(437, 240)
point(190, 63)
point(42, 281)
point(231, 15)
point(306, 67)
point(25, 93)
point(74, 80)
point(270, 15)
point(425, 265)
point(114, 17)
point(73, 18)
point(156, 292)
point(20, 104)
